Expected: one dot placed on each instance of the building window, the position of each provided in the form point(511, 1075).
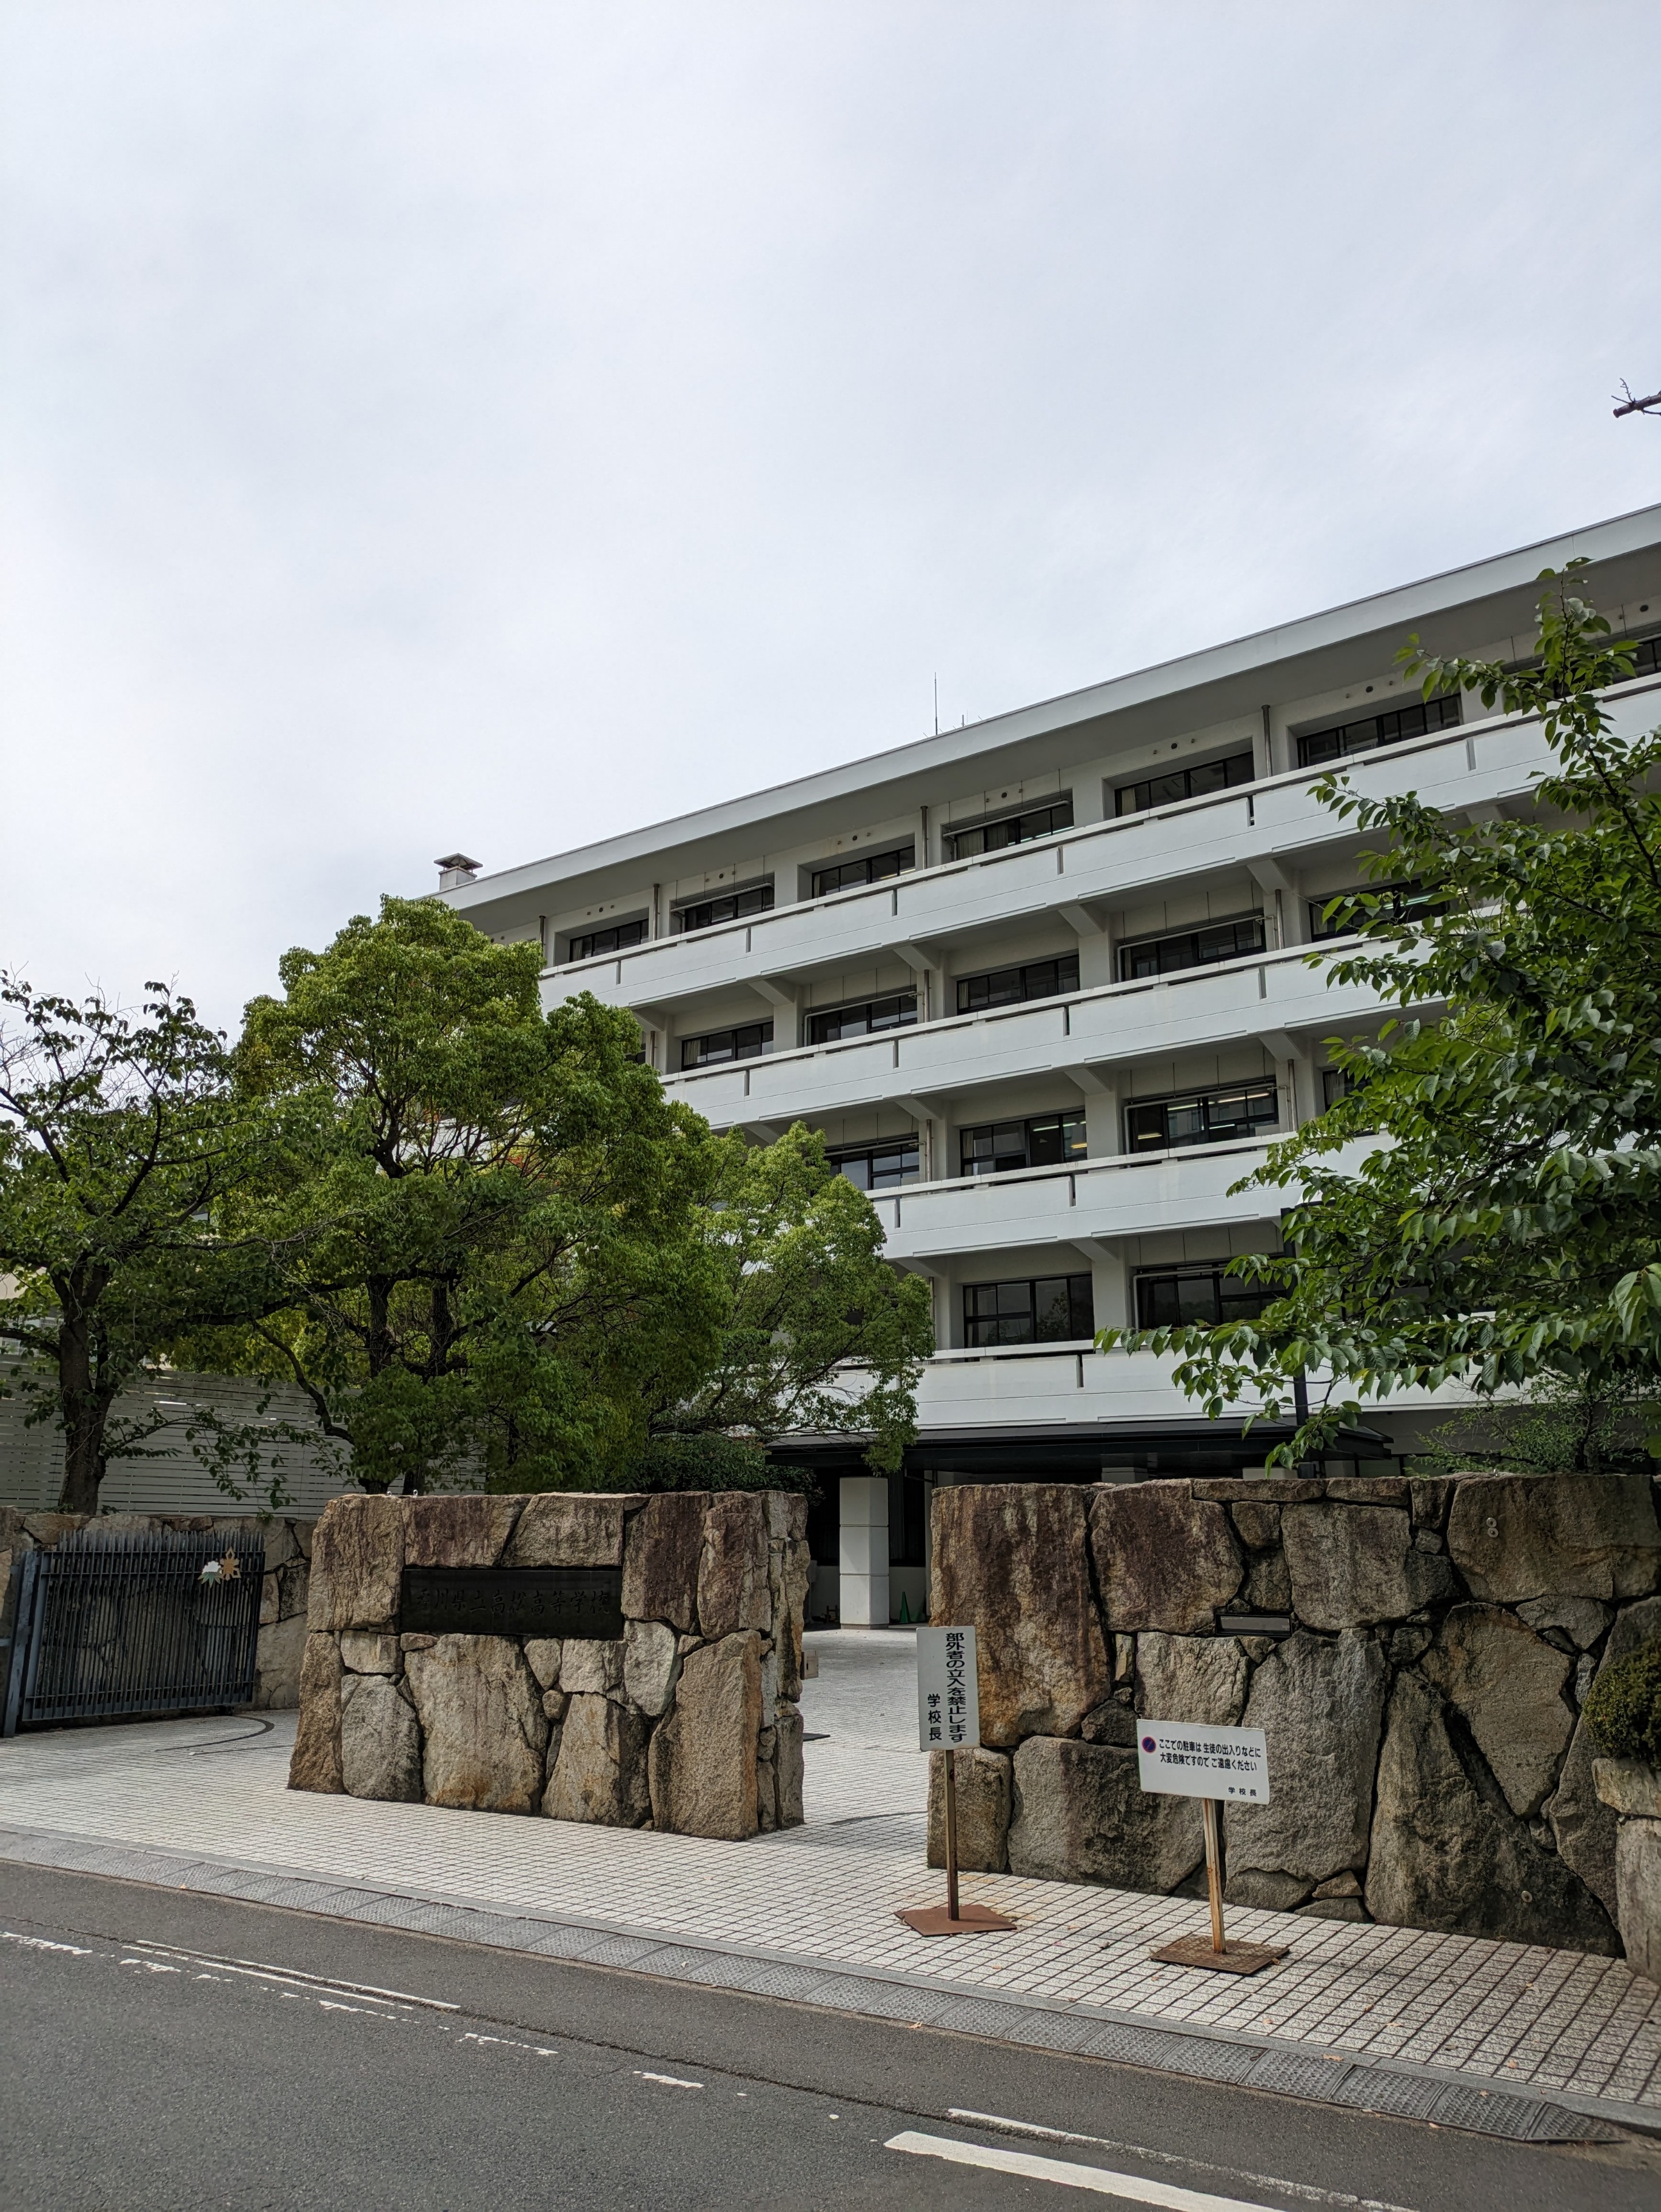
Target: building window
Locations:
point(1054, 1309)
point(1170, 1298)
point(748, 1042)
point(882, 1166)
point(1336, 1083)
point(1202, 1118)
point(1647, 655)
point(1191, 948)
point(871, 868)
point(614, 939)
point(1008, 986)
point(1049, 1142)
point(729, 906)
point(897, 1013)
point(1178, 783)
point(1012, 828)
point(1418, 720)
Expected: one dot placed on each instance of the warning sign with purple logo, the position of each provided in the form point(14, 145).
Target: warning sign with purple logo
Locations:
point(1190, 1759)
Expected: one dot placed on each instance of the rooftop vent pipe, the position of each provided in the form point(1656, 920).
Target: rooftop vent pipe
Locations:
point(454, 870)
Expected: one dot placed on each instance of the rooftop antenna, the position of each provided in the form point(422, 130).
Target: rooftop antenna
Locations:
point(937, 698)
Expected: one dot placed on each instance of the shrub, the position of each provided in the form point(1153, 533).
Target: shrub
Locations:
point(1623, 1710)
point(710, 1461)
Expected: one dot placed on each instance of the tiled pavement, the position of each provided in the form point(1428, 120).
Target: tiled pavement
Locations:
point(1394, 2019)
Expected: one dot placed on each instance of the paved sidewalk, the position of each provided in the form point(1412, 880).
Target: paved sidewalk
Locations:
point(1472, 2032)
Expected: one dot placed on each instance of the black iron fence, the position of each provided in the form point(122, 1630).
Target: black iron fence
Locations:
point(162, 1622)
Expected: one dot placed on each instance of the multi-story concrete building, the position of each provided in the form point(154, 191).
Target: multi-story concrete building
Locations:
point(1043, 983)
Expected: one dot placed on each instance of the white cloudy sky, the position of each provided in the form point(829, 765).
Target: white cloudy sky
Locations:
point(495, 425)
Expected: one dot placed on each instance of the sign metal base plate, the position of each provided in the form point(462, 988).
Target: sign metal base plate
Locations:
point(971, 1920)
point(1234, 1957)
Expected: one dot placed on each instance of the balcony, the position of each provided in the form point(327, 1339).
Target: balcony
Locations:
point(1479, 765)
point(1121, 1022)
point(1097, 1200)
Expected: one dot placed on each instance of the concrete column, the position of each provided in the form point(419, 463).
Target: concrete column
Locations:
point(862, 1558)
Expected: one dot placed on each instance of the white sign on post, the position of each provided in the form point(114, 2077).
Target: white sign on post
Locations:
point(948, 1689)
point(1190, 1758)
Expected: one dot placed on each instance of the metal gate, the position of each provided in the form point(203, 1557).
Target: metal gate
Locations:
point(108, 1624)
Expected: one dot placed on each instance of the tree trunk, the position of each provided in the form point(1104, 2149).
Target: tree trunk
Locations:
point(85, 1410)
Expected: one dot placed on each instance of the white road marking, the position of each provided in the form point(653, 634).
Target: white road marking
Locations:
point(1130, 2186)
point(668, 2081)
point(1311, 2194)
point(507, 2043)
point(39, 1943)
point(260, 1971)
point(153, 1965)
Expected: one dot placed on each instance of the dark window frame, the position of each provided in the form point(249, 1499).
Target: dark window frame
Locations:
point(622, 935)
point(1198, 780)
point(743, 900)
point(998, 1162)
point(1137, 948)
point(960, 837)
point(842, 1156)
point(741, 1033)
point(985, 1330)
point(1390, 725)
point(1232, 1297)
point(1201, 1099)
point(903, 856)
point(813, 1036)
point(966, 985)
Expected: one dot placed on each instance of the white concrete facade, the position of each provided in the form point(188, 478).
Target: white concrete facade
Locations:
point(1095, 868)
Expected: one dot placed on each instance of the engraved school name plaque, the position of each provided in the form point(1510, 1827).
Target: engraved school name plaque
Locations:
point(568, 1602)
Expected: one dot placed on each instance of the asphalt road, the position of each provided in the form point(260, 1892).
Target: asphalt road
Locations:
point(161, 2050)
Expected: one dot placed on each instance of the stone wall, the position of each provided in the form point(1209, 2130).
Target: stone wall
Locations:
point(689, 1722)
point(1427, 1760)
point(283, 1598)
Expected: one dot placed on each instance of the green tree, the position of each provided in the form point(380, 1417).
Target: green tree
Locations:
point(123, 1143)
point(500, 1253)
point(1502, 1222)
point(821, 1332)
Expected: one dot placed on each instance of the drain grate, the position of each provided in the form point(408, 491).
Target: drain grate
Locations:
point(1296, 2074)
point(1400, 2096)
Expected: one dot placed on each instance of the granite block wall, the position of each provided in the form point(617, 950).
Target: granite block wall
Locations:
point(688, 1722)
point(1428, 1764)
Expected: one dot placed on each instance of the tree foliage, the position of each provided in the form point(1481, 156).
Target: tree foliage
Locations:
point(123, 1143)
point(1485, 1206)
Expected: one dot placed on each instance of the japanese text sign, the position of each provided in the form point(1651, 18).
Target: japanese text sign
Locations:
point(948, 1691)
point(1189, 1758)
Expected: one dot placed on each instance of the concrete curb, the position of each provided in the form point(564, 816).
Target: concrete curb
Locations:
point(1393, 2087)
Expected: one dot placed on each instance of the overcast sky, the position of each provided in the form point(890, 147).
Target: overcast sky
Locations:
point(495, 426)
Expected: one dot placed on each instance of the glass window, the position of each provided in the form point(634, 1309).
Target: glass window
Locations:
point(1646, 656)
point(731, 906)
point(746, 1043)
point(1361, 736)
point(611, 939)
point(1051, 1309)
point(878, 1166)
point(1172, 1297)
point(1191, 948)
point(1202, 1118)
point(1047, 1140)
point(1008, 986)
point(863, 1020)
point(1012, 828)
point(869, 868)
point(1179, 783)
point(1336, 1083)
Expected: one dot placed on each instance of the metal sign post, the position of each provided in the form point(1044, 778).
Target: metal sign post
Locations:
point(1220, 1766)
point(948, 1721)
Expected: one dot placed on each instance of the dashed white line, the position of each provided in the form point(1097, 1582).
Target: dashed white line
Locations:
point(1098, 2179)
point(39, 1943)
point(667, 2080)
